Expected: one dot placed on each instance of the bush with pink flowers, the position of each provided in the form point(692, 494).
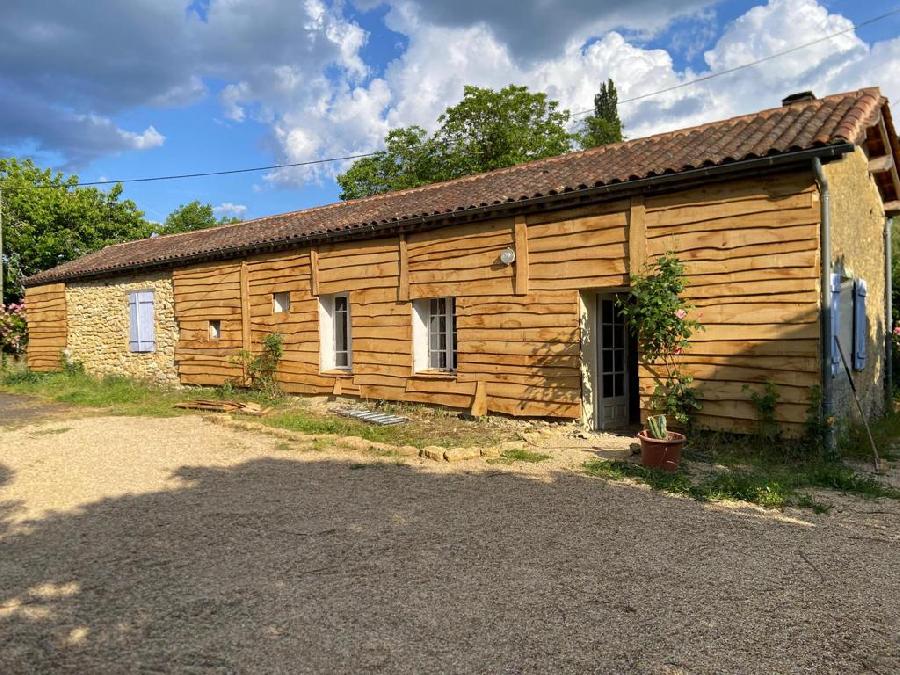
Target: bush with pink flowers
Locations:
point(661, 319)
point(13, 329)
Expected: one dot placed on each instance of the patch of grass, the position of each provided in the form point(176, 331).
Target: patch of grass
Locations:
point(124, 396)
point(520, 455)
point(854, 442)
point(770, 486)
point(806, 501)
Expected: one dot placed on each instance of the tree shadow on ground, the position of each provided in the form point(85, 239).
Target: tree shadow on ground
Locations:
point(317, 565)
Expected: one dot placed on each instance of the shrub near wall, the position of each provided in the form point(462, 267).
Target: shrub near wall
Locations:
point(98, 327)
point(13, 329)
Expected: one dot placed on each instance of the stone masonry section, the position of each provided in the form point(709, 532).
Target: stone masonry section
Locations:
point(98, 322)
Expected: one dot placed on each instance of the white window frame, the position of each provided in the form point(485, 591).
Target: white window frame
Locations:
point(426, 358)
point(328, 348)
point(281, 302)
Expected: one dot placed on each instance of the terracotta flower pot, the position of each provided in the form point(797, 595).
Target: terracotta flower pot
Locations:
point(661, 454)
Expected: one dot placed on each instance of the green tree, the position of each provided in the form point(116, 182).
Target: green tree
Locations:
point(194, 216)
point(486, 130)
point(47, 220)
point(409, 159)
point(604, 126)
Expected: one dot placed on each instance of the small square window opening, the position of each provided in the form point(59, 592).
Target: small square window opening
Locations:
point(215, 329)
point(281, 302)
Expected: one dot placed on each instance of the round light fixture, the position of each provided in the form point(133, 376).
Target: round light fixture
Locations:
point(507, 256)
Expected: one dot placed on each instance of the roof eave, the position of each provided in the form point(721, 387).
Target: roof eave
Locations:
point(565, 199)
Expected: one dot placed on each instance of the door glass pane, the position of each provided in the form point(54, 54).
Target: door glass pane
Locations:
point(607, 364)
point(608, 389)
point(620, 384)
point(606, 312)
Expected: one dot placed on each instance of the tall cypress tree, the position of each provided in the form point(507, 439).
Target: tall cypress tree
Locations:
point(604, 126)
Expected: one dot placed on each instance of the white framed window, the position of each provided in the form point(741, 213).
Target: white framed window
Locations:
point(434, 334)
point(281, 302)
point(335, 348)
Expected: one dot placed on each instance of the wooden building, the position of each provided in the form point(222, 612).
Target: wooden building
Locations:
point(495, 292)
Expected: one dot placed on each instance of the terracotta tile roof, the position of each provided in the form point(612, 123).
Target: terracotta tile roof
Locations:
point(804, 125)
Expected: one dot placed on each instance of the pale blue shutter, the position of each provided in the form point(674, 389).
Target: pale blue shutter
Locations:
point(142, 331)
point(835, 323)
point(134, 343)
point(860, 324)
point(146, 327)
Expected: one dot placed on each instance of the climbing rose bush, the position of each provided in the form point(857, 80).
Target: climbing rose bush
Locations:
point(13, 328)
point(661, 318)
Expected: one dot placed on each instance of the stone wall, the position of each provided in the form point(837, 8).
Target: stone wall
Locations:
point(98, 323)
point(857, 244)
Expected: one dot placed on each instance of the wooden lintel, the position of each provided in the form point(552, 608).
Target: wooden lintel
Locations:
point(892, 208)
point(521, 242)
point(881, 164)
point(403, 283)
point(637, 235)
point(314, 270)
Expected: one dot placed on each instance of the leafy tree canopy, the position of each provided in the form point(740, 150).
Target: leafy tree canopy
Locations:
point(48, 221)
point(486, 130)
point(604, 126)
point(194, 216)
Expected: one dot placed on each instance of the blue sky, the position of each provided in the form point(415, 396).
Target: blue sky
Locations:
point(155, 87)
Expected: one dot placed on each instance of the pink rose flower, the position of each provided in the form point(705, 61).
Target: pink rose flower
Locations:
point(680, 313)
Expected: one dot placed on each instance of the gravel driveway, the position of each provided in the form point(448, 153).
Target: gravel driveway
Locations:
point(140, 544)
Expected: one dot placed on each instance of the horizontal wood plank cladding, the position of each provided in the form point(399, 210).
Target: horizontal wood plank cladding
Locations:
point(204, 293)
point(45, 311)
point(524, 349)
point(579, 249)
point(462, 260)
point(750, 250)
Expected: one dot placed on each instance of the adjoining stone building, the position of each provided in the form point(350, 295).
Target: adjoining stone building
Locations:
point(496, 292)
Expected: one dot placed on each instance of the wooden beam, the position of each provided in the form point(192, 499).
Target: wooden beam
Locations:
point(881, 164)
point(403, 284)
point(479, 400)
point(889, 150)
point(520, 234)
point(245, 315)
point(314, 270)
point(637, 235)
point(337, 390)
point(892, 208)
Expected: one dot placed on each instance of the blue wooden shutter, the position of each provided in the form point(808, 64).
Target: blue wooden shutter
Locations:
point(860, 324)
point(835, 323)
point(133, 334)
point(142, 331)
point(146, 326)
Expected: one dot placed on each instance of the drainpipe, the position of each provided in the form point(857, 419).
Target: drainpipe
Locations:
point(827, 332)
point(889, 310)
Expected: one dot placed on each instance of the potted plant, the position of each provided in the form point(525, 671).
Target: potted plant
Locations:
point(660, 318)
point(660, 448)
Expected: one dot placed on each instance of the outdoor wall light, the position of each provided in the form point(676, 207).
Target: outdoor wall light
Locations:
point(507, 256)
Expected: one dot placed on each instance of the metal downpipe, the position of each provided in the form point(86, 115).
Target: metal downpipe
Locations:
point(825, 282)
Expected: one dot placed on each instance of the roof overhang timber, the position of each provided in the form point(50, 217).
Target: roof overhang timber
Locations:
point(883, 150)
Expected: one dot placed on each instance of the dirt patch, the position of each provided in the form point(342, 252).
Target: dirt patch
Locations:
point(16, 410)
point(175, 544)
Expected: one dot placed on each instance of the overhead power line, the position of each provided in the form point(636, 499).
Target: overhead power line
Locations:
point(326, 160)
point(751, 64)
